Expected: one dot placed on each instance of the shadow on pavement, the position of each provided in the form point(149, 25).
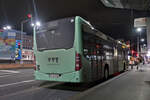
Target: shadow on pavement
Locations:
point(75, 86)
point(45, 83)
point(78, 87)
point(147, 82)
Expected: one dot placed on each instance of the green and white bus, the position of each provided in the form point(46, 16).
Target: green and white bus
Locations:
point(71, 50)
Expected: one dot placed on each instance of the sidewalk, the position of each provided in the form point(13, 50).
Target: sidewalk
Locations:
point(15, 66)
point(131, 85)
point(135, 67)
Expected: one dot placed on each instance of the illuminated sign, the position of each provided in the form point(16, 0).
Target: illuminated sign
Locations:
point(140, 22)
point(18, 50)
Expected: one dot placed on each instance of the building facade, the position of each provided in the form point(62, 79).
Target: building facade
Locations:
point(9, 46)
point(27, 41)
point(27, 47)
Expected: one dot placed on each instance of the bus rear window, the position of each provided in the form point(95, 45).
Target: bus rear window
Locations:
point(56, 35)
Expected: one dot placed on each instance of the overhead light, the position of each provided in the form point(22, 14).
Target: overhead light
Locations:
point(4, 28)
point(139, 29)
point(72, 20)
point(32, 24)
point(92, 28)
point(142, 40)
point(38, 23)
point(119, 42)
point(8, 27)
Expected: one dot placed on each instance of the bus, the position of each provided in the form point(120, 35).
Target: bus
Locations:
point(72, 50)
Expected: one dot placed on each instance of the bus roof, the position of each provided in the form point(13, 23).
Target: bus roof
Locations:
point(99, 33)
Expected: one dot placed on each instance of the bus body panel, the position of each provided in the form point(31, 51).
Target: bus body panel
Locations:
point(66, 77)
point(56, 61)
point(95, 69)
point(66, 66)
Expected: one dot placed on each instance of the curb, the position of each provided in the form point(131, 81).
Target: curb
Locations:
point(15, 66)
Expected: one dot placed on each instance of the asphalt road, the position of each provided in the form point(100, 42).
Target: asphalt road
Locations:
point(20, 85)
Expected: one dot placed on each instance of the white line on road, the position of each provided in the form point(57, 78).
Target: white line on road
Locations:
point(6, 75)
point(10, 71)
point(30, 90)
point(4, 85)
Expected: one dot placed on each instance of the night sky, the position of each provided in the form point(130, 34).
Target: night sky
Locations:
point(117, 23)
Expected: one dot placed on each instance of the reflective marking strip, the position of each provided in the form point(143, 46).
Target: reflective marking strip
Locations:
point(10, 71)
point(4, 85)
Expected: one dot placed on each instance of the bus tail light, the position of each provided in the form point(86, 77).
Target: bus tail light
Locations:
point(34, 63)
point(78, 62)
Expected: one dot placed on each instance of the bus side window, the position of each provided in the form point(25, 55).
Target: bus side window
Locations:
point(89, 43)
point(88, 50)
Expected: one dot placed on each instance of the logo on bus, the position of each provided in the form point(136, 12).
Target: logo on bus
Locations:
point(53, 59)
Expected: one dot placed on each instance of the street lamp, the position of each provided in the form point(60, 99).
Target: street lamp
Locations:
point(7, 27)
point(138, 39)
point(139, 29)
point(142, 40)
point(4, 28)
point(36, 24)
point(144, 45)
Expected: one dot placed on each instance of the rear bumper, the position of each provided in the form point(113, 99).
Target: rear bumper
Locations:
point(73, 77)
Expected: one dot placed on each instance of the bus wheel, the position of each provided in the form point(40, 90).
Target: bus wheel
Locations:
point(106, 74)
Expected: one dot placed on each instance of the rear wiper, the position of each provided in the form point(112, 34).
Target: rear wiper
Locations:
point(42, 49)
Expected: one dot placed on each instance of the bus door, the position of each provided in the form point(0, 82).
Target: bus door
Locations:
point(89, 41)
point(115, 60)
point(99, 61)
point(94, 63)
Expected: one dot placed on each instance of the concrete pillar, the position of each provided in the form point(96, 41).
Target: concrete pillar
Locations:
point(148, 33)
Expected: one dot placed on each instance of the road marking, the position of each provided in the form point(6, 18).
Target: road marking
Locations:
point(6, 75)
point(30, 90)
point(5, 85)
point(13, 74)
point(10, 71)
point(3, 74)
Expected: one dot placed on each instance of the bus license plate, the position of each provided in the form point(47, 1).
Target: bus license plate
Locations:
point(54, 75)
